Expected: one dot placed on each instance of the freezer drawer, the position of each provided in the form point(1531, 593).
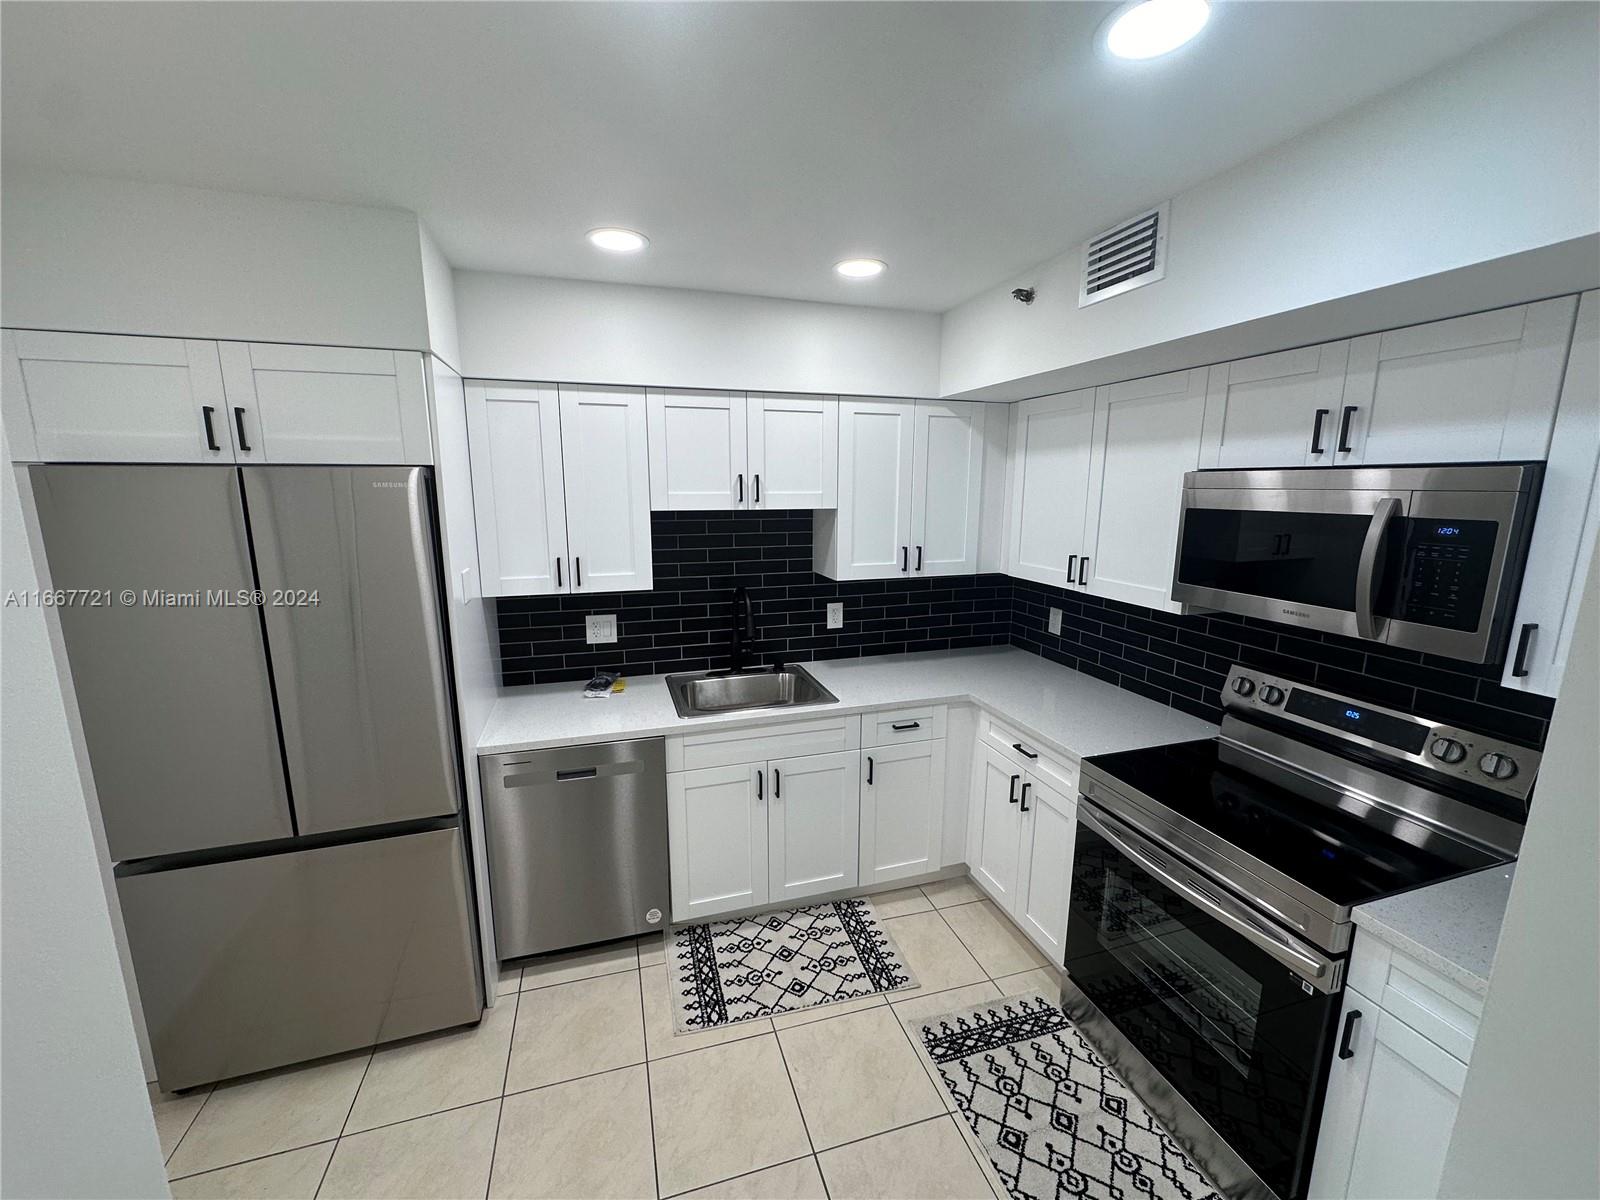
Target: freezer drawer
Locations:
point(259, 962)
point(577, 840)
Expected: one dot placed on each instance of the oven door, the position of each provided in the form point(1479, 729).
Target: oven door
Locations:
point(1234, 1012)
point(1306, 557)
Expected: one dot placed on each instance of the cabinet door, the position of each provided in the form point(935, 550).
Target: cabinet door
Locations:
point(325, 404)
point(1044, 873)
point(997, 787)
point(89, 397)
point(1564, 531)
point(717, 839)
point(902, 810)
point(793, 451)
point(518, 496)
point(946, 487)
point(606, 465)
point(1345, 1097)
point(1146, 436)
point(1050, 440)
point(873, 526)
point(1472, 389)
point(697, 451)
point(1278, 410)
point(813, 824)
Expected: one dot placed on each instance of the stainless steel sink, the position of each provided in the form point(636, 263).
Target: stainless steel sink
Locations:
point(701, 695)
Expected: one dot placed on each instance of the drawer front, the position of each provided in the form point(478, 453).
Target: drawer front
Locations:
point(896, 726)
point(1438, 1008)
point(758, 743)
point(1052, 769)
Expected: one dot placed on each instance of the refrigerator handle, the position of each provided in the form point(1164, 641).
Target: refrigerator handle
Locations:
point(428, 588)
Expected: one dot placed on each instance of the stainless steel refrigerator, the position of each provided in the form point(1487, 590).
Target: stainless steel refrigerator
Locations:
point(261, 669)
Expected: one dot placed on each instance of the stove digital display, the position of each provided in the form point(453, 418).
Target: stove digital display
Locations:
point(1374, 726)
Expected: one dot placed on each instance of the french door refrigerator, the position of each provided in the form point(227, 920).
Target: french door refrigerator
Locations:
point(261, 672)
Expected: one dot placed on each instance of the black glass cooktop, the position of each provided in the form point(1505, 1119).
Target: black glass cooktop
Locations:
point(1331, 851)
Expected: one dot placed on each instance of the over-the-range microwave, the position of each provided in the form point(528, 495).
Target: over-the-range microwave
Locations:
point(1425, 557)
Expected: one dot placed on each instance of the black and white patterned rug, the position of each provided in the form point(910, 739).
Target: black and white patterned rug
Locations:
point(1055, 1120)
point(780, 961)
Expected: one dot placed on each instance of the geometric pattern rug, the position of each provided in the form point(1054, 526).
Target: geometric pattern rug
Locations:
point(721, 972)
point(1054, 1118)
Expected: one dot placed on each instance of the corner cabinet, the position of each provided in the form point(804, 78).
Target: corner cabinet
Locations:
point(1049, 458)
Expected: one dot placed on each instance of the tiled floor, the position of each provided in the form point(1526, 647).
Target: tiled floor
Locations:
point(574, 1085)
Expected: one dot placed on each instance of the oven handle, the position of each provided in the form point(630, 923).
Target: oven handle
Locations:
point(1317, 972)
point(1367, 571)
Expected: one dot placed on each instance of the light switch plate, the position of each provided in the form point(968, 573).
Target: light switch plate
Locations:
point(1055, 620)
point(599, 628)
point(836, 615)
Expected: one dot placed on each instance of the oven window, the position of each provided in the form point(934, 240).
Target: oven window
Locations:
point(1299, 557)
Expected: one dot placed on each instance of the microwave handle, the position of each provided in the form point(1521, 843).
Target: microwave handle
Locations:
point(1367, 572)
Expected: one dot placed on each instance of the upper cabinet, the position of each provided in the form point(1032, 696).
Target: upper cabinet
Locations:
point(794, 450)
point(560, 488)
point(1279, 410)
point(1049, 459)
point(79, 397)
point(911, 475)
point(724, 451)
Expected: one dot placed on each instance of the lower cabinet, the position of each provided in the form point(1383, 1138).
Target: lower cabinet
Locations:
point(902, 810)
point(813, 815)
point(992, 857)
point(1044, 876)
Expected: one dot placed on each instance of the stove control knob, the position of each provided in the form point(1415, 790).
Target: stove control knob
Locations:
point(1243, 686)
point(1270, 694)
point(1447, 750)
point(1498, 766)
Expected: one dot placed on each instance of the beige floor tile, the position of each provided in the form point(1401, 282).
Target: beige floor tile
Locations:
point(587, 1137)
point(652, 949)
point(174, 1114)
point(818, 1012)
point(928, 1004)
point(292, 1175)
point(948, 892)
point(724, 1111)
point(510, 979)
point(264, 1114)
point(900, 903)
point(1040, 980)
point(660, 1037)
point(430, 1074)
point(549, 969)
point(797, 1180)
point(998, 945)
point(919, 1162)
point(856, 1075)
point(443, 1156)
point(935, 955)
point(575, 1029)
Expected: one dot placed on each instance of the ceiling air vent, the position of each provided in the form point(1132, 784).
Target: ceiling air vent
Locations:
point(1130, 254)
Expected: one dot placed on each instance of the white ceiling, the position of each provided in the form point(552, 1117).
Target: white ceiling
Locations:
point(754, 143)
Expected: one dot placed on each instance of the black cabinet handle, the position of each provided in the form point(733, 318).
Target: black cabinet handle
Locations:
point(777, 784)
point(905, 559)
point(756, 479)
point(1022, 750)
point(238, 423)
point(1083, 572)
point(1344, 428)
point(740, 478)
point(1316, 431)
point(906, 726)
point(206, 411)
point(759, 795)
point(919, 558)
point(1519, 668)
point(558, 572)
point(869, 770)
point(1025, 788)
point(1014, 779)
point(1072, 566)
point(577, 571)
point(1350, 1019)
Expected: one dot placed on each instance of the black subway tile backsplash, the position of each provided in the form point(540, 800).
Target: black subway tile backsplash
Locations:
point(1178, 660)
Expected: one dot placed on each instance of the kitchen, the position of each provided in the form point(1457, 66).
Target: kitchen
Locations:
point(687, 696)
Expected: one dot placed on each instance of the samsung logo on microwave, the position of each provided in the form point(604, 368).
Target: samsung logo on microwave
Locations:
point(385, 483)
point(1295, 612)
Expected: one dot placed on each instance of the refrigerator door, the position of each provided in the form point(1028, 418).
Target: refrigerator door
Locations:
point(347, 564)
point(173, 688)
point(259, 962)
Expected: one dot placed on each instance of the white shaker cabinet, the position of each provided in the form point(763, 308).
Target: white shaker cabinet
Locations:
point(996, 825)
point(792, 450)
point(1146, 437)
point(518, 488)
point(902, 809)
point(606, 465)
point(717, 835)
point(813, 823)
point(89, 397)
point(946, 487)
point(697, 451)
point(1278, 410)
point(1049, 488)
point(1044, 878)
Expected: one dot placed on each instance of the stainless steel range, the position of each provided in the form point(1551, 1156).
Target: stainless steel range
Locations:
point(1212, 890)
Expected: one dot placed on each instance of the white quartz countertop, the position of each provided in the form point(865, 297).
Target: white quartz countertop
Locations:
point(1452, 927)
point(1068, 712)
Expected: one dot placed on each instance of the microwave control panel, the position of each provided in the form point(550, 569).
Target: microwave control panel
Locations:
point(1444, 574)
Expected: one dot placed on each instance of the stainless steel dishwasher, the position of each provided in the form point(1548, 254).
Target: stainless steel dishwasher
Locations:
point(577, 840)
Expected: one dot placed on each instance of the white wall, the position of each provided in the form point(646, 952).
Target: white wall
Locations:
point(439, 293)
point(75, 1118)
point(1531, 1106)
point(522, 327)
point(119, 257)
point(1493, 156)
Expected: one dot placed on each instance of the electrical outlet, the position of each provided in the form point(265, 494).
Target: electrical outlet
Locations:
point(1055, 620)
point(599, 628)
point(836, 615)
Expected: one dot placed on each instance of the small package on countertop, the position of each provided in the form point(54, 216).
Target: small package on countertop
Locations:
point(601, 685)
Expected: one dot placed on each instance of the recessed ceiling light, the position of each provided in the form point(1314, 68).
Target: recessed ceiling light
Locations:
point(859, 268)
point(1151, 28)
point(618, 241)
